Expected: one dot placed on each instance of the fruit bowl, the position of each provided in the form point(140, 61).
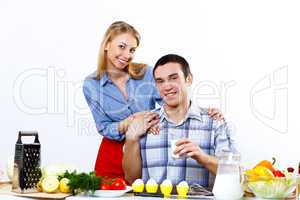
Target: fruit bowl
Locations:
point(277, 187)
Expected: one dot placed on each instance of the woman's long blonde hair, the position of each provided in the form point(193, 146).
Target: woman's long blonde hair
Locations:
point(135, 70)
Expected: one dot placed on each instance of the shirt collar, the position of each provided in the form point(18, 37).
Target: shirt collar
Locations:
point(105, 79)
point(194, 112)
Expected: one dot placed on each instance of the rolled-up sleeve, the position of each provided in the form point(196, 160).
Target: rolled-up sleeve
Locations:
point(104, 124)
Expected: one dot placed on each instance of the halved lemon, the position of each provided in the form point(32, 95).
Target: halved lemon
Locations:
point(39, 186)
point(63, 185)
point(263, 173)
point(50, 184)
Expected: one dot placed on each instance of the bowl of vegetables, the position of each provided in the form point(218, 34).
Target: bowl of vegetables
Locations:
point(264, 181)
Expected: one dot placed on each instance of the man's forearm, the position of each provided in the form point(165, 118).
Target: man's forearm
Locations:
point(209, 162)
point(132, 164)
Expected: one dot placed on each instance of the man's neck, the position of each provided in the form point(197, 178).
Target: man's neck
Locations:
point(178, 113)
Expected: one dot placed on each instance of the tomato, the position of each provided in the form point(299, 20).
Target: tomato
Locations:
point(278, 173)
point(105, 186)
point(118, 184)
point(120, 180)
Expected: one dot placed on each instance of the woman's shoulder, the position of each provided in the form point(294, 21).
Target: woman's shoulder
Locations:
point(91, 76)
point(91, 81)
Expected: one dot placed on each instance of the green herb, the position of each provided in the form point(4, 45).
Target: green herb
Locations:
point(82, 182)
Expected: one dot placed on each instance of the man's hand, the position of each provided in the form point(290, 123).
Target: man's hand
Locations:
point(186, 147)
point(140, 124)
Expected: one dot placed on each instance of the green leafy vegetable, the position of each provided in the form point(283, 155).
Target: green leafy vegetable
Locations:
point(82, 182)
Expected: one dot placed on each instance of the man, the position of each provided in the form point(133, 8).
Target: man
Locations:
point(199, 137)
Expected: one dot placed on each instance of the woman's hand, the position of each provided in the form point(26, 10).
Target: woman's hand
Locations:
point(124, 124)
point(215, 114)
point(154, 129)
point(140, 124)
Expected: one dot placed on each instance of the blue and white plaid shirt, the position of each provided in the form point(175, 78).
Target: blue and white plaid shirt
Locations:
point(212, 136)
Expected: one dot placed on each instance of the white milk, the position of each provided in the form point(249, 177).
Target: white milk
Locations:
point(228, 187)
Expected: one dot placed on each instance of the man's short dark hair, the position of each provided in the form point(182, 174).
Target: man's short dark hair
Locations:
point(173, 58)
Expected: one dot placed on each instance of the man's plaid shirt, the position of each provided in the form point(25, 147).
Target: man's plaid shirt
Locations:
point(212, 136)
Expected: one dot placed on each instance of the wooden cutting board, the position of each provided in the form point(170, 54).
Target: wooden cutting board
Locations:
point(6, 190)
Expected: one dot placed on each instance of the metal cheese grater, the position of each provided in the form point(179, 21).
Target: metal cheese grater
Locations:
point(27, 170)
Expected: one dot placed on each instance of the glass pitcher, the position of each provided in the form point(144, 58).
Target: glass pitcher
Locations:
point(228, 182)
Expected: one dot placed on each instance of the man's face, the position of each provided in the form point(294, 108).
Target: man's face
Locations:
point(171, 83)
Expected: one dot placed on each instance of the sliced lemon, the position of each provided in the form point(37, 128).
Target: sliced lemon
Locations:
point(263, 173)
point(251, 175)
point(50, 184)
point(39, 186)
point(63, 185)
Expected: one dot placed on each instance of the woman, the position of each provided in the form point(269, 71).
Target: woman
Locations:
point(118, 92)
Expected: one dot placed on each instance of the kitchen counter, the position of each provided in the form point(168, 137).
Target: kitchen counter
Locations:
point(125, 197)
point(7, 195)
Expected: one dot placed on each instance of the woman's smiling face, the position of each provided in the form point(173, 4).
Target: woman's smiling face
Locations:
point(120, 50)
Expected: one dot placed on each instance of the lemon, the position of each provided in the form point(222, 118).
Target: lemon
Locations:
point(50, 184)
point(263, 173)
point(63, 185)
point(251, 175)
point(39, 186)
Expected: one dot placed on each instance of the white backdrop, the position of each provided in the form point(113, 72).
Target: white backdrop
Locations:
point(244, 57)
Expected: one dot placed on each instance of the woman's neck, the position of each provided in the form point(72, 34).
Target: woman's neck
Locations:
point(116, 74)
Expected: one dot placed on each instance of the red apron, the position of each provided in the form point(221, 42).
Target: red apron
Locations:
point(109, 159)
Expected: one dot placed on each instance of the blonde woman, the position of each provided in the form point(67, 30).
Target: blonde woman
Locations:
point(118, 92)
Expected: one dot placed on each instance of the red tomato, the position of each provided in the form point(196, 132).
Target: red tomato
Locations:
point(118, 184)
point(105, 186)
point(278, 173)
